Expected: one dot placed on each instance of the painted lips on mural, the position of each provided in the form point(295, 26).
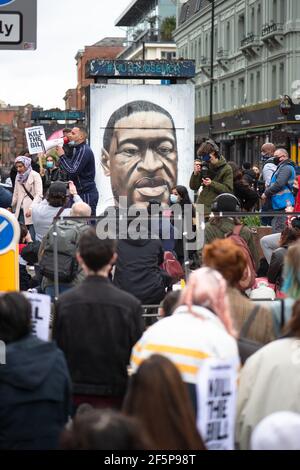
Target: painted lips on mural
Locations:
point(151, 187)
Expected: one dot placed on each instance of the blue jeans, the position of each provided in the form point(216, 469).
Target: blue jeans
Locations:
point(62, 288)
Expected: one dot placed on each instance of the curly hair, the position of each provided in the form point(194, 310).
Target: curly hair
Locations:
point(227, 258)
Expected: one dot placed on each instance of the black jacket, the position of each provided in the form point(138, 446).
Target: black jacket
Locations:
point(96, 325)
point(276, 266)
point(138, 271)
point(247, 196)
point(51, 176)
point(35, 395)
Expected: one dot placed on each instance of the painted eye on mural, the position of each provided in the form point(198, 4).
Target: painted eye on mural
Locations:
point(130, 151)
point(164, 149)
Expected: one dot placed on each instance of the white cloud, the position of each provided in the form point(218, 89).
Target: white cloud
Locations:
point(42, 77)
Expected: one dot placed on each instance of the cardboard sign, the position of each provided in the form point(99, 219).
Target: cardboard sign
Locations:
point(41, 308)
point(216, 403)
point(35, 137)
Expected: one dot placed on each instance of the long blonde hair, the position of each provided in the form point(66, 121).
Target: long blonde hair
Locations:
point(206, 287)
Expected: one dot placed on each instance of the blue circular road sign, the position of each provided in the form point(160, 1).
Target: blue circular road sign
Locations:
point(6, 233)
point(5, 2)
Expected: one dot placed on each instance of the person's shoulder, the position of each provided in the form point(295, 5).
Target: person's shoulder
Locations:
point(71, 296)
point(125, 297)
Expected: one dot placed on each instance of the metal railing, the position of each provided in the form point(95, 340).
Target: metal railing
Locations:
point(93, 221)
point(250, 39)
point(222, 53)
point(150, 35)
point(272, 28)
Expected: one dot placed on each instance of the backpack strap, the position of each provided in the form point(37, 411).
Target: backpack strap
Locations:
point(60, 211)
point(237, 229)
point(27, 192)
point(246, 326)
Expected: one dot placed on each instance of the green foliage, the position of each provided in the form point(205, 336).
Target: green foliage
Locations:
point(167, 27)
point(251, 221)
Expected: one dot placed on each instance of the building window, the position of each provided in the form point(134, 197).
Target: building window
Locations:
point(215, 99)
point(206, 46)
point(252, 88)
point(274, 82)
point(281, 79)
point(241, 91)
point(228, 36)
point(258, 87)
point(199, 103)
point(206, 103)
point(199, 51)
point(258, 20)
point(215, 42)
point(283, 8)
point(274, 9)
point(252, 21)
point(241, 29)
point(166, 55)
point(224, 97)
point(232, 93)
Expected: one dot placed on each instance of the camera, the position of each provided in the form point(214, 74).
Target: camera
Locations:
point(204, 171)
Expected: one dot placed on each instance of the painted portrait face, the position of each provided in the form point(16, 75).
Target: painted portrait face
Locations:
point(142, 158)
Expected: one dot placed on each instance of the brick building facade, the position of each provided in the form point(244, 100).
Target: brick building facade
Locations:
point(107, 48)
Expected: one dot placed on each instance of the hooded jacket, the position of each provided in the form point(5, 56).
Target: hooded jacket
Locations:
point(34, 395)
point(222, 182)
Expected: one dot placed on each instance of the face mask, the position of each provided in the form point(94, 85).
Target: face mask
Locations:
point(263, 157)
point(206, 158)
point(72, 143)
point(173, 198)
point(276, 160)
point(49, 164)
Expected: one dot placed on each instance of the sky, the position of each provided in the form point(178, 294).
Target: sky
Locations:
point(42, 77)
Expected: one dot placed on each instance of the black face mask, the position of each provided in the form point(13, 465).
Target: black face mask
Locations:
point(276, 160)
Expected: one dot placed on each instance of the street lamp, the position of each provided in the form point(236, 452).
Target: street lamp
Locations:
point(211, 68)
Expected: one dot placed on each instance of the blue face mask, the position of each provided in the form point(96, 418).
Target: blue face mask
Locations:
point(206, 158)
point(72, 143)
point(49, 164)
point(173, 198)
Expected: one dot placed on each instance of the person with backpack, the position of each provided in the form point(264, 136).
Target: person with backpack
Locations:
point(54, 205)
point(268, 168)
point(228, 258)
point(68, 235)
point(280, 190)
point(223, 227)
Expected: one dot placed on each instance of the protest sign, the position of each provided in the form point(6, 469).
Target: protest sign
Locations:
point(40, 308)
point(35, 137)
point(216, 402)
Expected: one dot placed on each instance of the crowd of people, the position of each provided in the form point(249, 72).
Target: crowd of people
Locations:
point(108, 380)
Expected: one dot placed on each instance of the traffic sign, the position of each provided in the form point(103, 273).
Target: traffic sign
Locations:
point(9, 253)
point(5, 2)
point(11, 26)
point(18, 24)
point(6, 234)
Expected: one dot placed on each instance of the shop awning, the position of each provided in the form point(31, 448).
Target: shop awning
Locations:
point(261, 129)
point(252, 130)
point(236, 133)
